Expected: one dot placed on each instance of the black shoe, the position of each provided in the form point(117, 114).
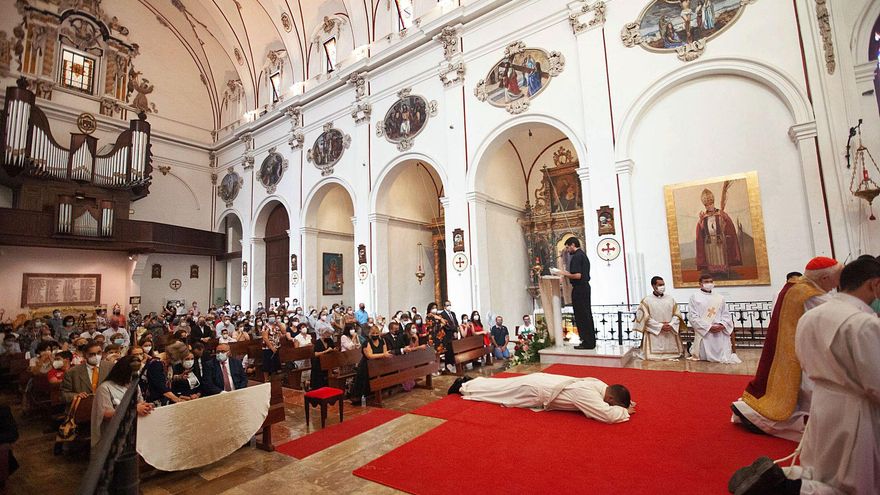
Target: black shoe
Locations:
point(762, 477)
point(455, 388)
point(583, 347)
point(745, 421)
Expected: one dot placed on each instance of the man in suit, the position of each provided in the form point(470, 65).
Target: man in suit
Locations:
point(202, 369)
point(201, 331)
point(226, 372)
point(451, 330)
point(82, 379)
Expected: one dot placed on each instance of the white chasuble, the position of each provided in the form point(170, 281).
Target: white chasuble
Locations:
point(704, 310)
point(654, 312)
point(171, 439)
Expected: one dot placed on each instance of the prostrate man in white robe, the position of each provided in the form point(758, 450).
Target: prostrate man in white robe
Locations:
point(546, 392)
point(837, 345)
point(712, 324)
point(659, 321)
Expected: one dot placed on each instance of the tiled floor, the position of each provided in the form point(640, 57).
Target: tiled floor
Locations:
point(249, 470)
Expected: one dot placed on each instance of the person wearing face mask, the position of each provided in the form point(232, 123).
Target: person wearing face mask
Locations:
point(660, 323)
point(324, 345)
point(160, 375)
point(225, 323)
point(202, 331)
point(271, 339)
point(56, 322)
point(83, 379)
point(777, 400)
point(60, 365)
point(109, 395)
point(837, 345)
point(189, 383)
point(374, 349)
point(712, 324)
point(350, 338)
point(227, 372)
point(479, 329)
point(396, 341)
point(322, 323)
point(10, 346)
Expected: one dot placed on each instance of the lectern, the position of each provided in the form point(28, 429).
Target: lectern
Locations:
point(551, 302)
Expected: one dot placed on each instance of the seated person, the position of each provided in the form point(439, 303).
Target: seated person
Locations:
point(500, 337)
point(82, 380)
point(41, 363)
point(110, 394)
point(544, 391)
point(396, 341)
point(10, 345)
point(323, 346)
point(226, 372)
point(112, 353)
point(240, 334)
point(188, 383)
point(350, 339)
point(157, 374)
point(60, 365)
point(225, 337)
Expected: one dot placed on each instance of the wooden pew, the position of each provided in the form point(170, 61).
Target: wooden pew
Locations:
point(385, 373)
point(469, 349)
point(276, 413)
point(254, 350)
point(340, 366)
point(289, 354)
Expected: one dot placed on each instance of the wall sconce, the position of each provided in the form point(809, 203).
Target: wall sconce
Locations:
point(420, 272)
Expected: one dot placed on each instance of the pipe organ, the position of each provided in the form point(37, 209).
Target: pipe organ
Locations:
point(28, 147)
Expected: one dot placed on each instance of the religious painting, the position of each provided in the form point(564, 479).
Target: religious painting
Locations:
point(156, 270)
point(194, 271)
point(293, 263)
point(519, 77)
point(332, 274)
point(229, 187)
point(716, 226)
point(328, 148)
point(605, 219)
point(405, 119)
point(565, 190)
point(362, 254)
point(244, 268)
point(457, 240)
point(59, 289)
point(681, 26)
point(271, 170)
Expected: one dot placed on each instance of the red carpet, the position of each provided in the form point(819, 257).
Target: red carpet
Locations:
point(680, 441)
point(453, 405)
point(315, 442)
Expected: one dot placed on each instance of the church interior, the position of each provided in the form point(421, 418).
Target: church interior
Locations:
point(326, 246)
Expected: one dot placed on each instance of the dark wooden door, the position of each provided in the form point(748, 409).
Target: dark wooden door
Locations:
point(277, 254)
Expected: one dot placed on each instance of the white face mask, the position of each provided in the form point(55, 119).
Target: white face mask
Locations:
point(477, 318)
point(221, 356)
point(188, 363)
point(302, 330)
point(435, 311)
point(661, 289)
point(94, 360)
point(708, 287)
point(147, 349)
point(58, 364)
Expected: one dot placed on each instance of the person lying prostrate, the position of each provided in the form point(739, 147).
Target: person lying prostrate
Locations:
point(547, 392)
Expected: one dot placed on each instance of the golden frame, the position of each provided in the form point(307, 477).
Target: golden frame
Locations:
point(757, 221)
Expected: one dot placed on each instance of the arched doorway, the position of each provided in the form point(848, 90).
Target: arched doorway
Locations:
point(227, 282)
point(527, 200)
point(329, 257)
point(277, 241)
point(409, 225)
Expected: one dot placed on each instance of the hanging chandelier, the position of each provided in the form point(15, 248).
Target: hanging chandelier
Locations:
point(861, 184)
point(420, 272)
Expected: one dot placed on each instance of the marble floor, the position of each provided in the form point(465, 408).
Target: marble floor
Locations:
point(250, 470)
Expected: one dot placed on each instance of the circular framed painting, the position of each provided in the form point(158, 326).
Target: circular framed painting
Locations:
point(328, 149)
point(230, 186)
point(271, 170)
point(405, 119)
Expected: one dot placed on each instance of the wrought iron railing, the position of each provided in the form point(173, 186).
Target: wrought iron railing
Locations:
point(614, 322)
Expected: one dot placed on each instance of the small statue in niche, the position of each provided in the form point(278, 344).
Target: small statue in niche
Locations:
point(142, 87)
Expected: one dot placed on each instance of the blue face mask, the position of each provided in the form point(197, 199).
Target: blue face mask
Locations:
point(875, 305)
point(119, 341)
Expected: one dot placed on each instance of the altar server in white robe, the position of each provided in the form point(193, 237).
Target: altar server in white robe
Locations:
point(712, 324)
point(547, 392)
point(659, 321)
point(837, 345)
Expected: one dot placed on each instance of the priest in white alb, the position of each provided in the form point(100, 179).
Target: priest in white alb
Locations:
point(837, 344)
point(548, 392)
point(660, 323)
point(712, 324)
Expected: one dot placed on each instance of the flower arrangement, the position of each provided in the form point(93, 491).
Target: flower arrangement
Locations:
point(528, 345)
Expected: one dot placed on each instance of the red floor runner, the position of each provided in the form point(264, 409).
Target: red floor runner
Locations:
point(453, 405)
point(680, 441)
point(315, 442)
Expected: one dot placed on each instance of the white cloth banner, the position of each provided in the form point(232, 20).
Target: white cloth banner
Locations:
point(198, 432)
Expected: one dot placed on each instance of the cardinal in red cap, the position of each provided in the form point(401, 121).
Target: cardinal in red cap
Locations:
point(776, 401)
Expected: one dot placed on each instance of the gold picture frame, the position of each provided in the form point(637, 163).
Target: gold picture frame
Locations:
point(725, 239)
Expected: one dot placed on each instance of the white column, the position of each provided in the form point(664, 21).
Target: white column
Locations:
point(293, 291)
point(381, 270)
point(479, 257)
point(804, 136)
point(257, 271)
point(310, 268)
point(458, 284)
point(623, 170)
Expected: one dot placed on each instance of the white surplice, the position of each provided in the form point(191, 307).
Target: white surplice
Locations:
point(654, 311)
point(704, 310)
point(544, 391)
point(838, 344)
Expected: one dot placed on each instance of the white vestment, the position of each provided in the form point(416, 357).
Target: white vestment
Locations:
point(655, 311)
point(838, 344)
point(704, 310)
point(543, 391)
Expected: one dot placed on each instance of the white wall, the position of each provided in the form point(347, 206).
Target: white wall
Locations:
point(334, 243)
point(115, 269)
point(155, 291)
point(508, 265)
point(404, 290)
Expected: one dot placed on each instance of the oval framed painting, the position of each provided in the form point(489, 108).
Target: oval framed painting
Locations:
point(519, 77)
point(405, 119)
point(271, 170)
point(328, 149)
point(229, 187)
point(681, 26)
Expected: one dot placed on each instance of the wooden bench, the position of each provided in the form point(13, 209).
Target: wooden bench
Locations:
point(469, 349)
point(396, 370)
point(340, 366)
point(276, 413)
point(290, 354)
point(253, 349)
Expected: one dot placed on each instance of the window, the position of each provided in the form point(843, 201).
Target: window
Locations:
point(404, 14)
point(77, 71)
point(330, 53)
point(275, 81)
